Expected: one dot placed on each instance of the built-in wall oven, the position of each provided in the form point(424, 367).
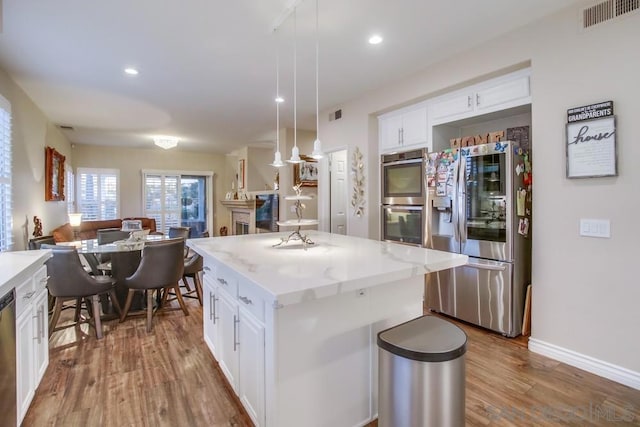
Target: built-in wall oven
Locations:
point(403, 197)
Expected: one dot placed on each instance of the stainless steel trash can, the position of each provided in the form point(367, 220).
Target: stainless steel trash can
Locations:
point(421, 374)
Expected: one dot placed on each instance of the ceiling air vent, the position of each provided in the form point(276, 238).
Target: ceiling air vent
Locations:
point(607, 10)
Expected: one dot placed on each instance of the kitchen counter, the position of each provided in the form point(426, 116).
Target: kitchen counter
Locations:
point(17, 266)
point(334, 264)
point(294, 330)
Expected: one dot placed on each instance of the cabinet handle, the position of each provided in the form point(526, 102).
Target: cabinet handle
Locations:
point(399, 136)
point(28, 295)
point(44, 279)
point(221, 280)
point(235, 332)
point(212, 301)
point(43, 320)
point(477, 99)
point(38, 333)
point(207, 268)
point(245, 300)
point(212, 309)
point(469, 101)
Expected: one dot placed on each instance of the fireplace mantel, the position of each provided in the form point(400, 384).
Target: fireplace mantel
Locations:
point(242, 204)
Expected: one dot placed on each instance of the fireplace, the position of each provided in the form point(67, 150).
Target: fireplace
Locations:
point(240, 222)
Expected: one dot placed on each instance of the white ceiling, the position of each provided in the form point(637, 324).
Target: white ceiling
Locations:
point(207, 67)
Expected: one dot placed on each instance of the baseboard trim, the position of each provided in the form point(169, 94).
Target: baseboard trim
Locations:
point(595, 366)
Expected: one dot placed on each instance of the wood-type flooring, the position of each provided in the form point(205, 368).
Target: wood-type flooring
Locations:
point(169, 378)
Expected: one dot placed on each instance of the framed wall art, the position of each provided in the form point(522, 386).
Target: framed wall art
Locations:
point(240, 174)
point(53, 175)
point(591, 148)
point(306, 173)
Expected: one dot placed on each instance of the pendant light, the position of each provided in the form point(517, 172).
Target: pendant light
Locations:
point(317, 145)
point(277, 157)
point(295, 152)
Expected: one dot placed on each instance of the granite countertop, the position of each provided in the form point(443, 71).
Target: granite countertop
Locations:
point(13, 264)
point(334, 264)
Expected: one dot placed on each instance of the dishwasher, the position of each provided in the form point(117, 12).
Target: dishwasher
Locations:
point(8, 404)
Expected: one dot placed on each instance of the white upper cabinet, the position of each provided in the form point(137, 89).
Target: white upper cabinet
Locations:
point(403, 129)
point(497, 94)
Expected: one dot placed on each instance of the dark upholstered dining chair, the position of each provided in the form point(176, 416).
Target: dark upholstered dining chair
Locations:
point(179, 232)
point(110, 235)
point(192, 268)
point(160, 269)
point(68, 280)
point(42, 240)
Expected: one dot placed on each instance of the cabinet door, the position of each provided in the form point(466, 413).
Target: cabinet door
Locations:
point(41, 334)
point(210, 317)
point(451, 106)
point(507, 94)
point(414, 126)
point(25, 362)
point(389, 129)
point(227, 339)
point(252, 362)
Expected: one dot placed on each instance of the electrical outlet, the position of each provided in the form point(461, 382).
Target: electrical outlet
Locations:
point(595, 228)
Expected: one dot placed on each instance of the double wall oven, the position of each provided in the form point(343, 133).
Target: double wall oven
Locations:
point(403, 217)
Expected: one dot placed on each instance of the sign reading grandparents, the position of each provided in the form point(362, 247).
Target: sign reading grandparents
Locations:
point(591, 144)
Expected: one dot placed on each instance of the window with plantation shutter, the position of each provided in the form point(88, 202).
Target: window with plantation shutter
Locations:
point(5, 175)
point(69, 189)
point(162, 199)
point(98, 193)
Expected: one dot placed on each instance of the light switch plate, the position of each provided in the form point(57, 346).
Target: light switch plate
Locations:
point(595, 228)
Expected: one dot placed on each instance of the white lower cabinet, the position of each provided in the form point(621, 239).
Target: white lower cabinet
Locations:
point(210, 317)
point(252, 361)
point(227, 343)
point(236, 336)
point(32, 337)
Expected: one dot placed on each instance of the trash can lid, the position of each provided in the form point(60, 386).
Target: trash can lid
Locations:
point(426, 339)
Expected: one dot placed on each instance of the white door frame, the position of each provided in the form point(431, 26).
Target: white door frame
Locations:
point(324, 195)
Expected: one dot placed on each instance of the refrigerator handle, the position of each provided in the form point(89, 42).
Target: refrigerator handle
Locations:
point(454, 202)
point(485, 266)
point(462, 198)
point(428, 237)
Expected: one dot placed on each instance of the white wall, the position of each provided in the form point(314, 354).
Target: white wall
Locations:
point(31, 133)
point(585, 293)
point(131, 161)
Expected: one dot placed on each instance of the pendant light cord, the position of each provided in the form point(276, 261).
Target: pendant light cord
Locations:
point(277, 93)
point(317, 62)
point(295, 49)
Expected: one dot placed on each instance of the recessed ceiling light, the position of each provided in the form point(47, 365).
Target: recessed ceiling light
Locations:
point(375, 39)
point(131, 71)
point(279, 99)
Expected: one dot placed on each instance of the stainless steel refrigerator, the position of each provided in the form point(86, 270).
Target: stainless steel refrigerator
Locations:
point(479, 204)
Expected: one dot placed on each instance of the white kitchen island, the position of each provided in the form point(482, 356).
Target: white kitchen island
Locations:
point(294, 330)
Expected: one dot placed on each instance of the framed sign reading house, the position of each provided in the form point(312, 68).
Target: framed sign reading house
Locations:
point(591, 148)
point(591, 141)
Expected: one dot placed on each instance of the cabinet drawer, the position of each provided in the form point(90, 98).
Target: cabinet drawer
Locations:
point(40, 279)
point(226, 279)
point(25, 294)
point(250, 297)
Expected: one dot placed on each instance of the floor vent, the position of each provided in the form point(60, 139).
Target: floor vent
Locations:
point(607, 10)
